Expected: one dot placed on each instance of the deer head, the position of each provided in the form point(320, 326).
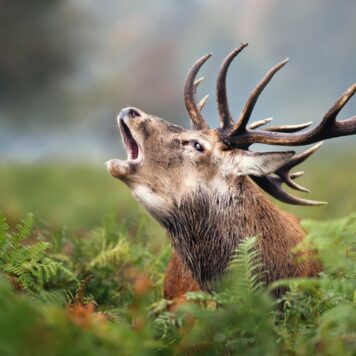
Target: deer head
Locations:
point(166, 161)
point(196, 182)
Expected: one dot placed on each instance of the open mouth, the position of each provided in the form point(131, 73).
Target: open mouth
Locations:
point(134, 152)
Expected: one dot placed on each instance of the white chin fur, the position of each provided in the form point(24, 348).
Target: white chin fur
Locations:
point(151, 201)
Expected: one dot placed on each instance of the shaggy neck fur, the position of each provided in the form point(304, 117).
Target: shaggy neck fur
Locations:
point(206, 228)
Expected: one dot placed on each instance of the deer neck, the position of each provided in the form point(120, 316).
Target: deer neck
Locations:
point(205, 228)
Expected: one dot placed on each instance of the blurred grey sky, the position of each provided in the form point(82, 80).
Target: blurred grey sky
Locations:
point(68, 67)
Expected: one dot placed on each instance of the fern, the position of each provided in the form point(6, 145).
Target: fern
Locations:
point(28, 264)
point(336, 244)
point(55, 298)
point(111, 255)
point(24, 229)
point(243, 279)
point(247, 268)
point(315, 315)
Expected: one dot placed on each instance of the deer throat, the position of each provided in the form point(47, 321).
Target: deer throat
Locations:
point(205, 229)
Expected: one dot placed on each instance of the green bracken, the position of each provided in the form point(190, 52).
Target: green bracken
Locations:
point(118, 309)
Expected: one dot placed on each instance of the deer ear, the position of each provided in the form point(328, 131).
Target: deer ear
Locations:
point(262, 163)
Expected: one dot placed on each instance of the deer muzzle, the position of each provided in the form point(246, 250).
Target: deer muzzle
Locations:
point(126, 122)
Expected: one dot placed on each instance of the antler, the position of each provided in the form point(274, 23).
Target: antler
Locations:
point(246, 112)
point(272, 183)
point(189, 94)
point(242, 136)
point(221, 96)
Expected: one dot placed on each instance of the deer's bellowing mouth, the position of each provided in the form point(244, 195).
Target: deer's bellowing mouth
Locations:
point(134, 152)
point(125, 169)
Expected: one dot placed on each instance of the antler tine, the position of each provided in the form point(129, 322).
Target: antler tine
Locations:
point(189, 94)
point(240, 125)
point(202, 102)
point(283, 128)
point(283, 172)
point(196, 83)
point(297, 174)
point(289, 128)
point(272, 185)
point(330, 117)
point(221, 95)
point(287, 179)
point(327, 128)
point(259, 123)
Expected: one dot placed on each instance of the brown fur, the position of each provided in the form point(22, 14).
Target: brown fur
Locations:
point(208, 254)
point(178, 280)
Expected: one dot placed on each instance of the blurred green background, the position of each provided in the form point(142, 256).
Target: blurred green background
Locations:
point(68, 67)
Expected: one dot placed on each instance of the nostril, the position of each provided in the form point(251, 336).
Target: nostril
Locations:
point(129, 112)
point(133, 113)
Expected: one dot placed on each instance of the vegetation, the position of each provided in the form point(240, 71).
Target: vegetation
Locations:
point(99, 293)
point(94, 286)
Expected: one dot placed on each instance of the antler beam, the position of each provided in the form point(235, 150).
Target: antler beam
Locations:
point(221, 95)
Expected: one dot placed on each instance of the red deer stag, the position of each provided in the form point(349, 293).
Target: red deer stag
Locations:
point(202, 185)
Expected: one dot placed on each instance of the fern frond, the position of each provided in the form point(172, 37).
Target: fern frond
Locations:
point(37, 251)
point(112, 254)
point(52, 298)
point(247, 267)
point(24, 228)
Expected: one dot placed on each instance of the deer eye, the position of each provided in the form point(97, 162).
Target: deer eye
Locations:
point(197, 146)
